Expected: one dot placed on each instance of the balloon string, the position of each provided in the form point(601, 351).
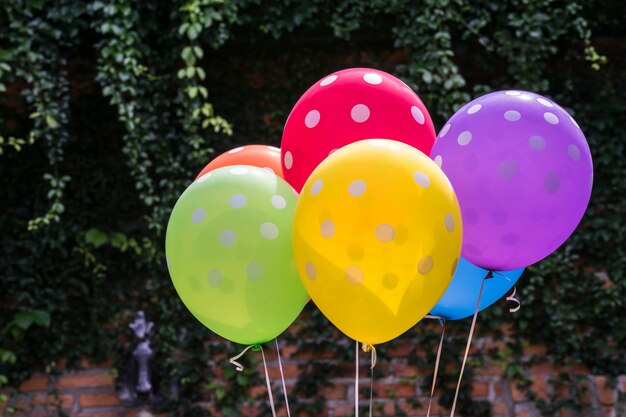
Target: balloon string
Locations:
point(512, 296)
point(432, 389)
point(515, 300)
point(282, 377)
point(356, 382)
point(370, 348)
point(488, 275)
point(239, 367)
point(269, 386)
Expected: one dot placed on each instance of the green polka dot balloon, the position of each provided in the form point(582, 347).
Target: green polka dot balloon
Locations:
point(230, 256)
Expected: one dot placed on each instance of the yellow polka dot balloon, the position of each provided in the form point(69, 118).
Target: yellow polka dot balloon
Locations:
point(377, 237)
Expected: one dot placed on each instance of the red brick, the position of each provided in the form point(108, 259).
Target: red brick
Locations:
point(606, 392)
point(250, 410)
point(65, 400)
point(290, 371)
point(499, 408)
point(518, 394)
point(35, 383)
point(96, 414)
point(336, 392)
point(86, 363)
point(539, 386)
point(343, 410)
point(257, 391)
point(480, 389)
point(487, 370)
point(104, 399)
point(535, 350)
point(394, 390)
point(544, 368)
point(404, 369)
point(86, 380)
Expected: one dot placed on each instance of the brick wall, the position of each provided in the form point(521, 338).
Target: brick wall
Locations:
point(90, 391)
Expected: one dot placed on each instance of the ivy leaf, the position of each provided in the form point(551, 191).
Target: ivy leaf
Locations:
point(41, 318)
point(96, 237)
point(24, 319)
point(51, 122)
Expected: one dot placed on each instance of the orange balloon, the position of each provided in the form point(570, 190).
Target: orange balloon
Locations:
point(262, 156)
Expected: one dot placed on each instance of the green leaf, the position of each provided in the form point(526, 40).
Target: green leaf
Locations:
point(41, 318)
point(96, 237)
point(23, 319)
point(51, 122)
point(119, 241)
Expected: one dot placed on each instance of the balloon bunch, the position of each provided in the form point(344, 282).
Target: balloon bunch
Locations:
point(376, 235)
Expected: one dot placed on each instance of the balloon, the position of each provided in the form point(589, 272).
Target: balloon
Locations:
point(377, 236)
point(347, 106)
point(459, 300)
point(261, 156)
point(523, 173)
point(230, 256)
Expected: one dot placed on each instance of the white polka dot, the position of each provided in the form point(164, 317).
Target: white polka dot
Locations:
point(512, 93)
point(328, 80)
point(279, 202)
point(327, 229)
point(204, 177)
point(544, 102)
point(464, 138)
point(239, 171)
point(214, 278)
point(239, 149)
point(227, 238)
point(385, 232)
point(438, 160)
point(417, 114)
point(474, 109)
point(525, 97)
point(573, 152)
point(551, 182)
point(378, 142)
point(449, 222)
point(551, 118)
point(536, 142)
point(237, 200)
point(354, 274)
point(311, 272)
point(508, 170)
point(269, 230)
point(254, 270)
point(425, 265)
point(198, 215)
point(421, 178)
point(357, 188)
point(574, 122)
point(312, 119)
point(445, 130)
point(372, 78)
point(317, 186)
point(288, 160)
point(512, 115)
point(360, 113)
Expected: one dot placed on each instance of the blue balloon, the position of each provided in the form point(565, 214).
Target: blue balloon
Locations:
point(459, 300)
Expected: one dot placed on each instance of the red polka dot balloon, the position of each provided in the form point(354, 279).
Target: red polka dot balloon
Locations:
point(348, 106)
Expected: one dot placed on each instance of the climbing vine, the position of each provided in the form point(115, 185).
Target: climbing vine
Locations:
point(109, 109)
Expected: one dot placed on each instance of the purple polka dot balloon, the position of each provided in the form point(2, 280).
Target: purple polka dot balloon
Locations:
point(522, 171)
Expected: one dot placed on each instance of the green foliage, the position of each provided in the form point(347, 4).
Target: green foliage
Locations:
point(110, 108)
